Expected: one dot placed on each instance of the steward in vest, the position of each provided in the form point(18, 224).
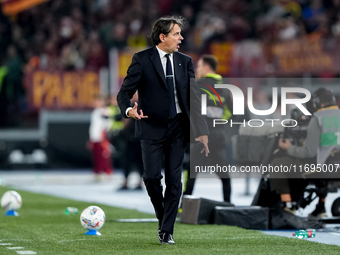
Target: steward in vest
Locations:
point(219, 106)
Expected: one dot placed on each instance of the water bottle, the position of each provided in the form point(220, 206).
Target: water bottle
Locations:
point(309, 233)
point(71, 211)
point(301, 234)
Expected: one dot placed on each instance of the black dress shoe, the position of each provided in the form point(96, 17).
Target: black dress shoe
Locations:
point(167, 238)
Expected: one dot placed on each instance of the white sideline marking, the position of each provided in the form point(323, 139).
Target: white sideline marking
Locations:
point(17, 239)
point(247, 237)
point(137, 220)
point(71, 240)
point(17, 248)
point(336, 234)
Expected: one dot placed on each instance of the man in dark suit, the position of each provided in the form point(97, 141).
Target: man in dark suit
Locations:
point(165, 82)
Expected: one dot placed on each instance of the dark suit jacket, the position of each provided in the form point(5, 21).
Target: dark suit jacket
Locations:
point(146, 75)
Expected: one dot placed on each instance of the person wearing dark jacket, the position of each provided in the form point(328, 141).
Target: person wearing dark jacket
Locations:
point(168, 106)
point(132, 152)
point(218, 138)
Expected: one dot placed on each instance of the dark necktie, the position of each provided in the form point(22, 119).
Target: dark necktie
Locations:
point(170, 83)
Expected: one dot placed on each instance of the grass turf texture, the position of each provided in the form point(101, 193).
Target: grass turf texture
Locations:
point(42, 227)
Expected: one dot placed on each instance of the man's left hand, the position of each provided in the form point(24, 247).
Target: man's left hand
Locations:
point(284, 145)
point(204, 140)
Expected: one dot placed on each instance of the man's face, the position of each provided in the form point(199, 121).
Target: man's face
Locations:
point(173, 40)
point(200, 69)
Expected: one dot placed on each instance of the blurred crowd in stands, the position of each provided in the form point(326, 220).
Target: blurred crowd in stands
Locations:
point(77, 34)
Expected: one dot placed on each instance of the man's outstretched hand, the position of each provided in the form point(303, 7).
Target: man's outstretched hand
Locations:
point(204, 140)
point(133, 113)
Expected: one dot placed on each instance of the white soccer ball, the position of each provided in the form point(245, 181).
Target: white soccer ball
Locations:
point(92, 218)
point(11, 200)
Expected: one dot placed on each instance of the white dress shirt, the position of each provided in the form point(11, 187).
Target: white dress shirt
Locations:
point(163, 61)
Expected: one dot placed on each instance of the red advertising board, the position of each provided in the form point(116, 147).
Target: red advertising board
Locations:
point(62, 90)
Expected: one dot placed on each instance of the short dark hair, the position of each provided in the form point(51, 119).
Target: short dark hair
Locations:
point(211, 61)
point(163, 26)
point(323, 96)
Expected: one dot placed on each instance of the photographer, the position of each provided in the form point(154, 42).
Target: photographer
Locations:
point(321, 146)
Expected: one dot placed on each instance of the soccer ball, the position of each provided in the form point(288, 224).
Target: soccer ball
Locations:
point(92, 218)
point(11, 200)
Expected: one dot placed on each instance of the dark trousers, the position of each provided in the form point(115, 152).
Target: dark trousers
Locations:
point(291, 183)
point(226, 187)
point(132, 157)
point(171, 149)
point(217, 155)
point(294, 183)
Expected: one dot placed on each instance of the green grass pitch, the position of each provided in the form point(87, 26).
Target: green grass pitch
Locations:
point(42, 227)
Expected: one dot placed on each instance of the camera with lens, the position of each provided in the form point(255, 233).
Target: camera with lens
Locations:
point(297, 132)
